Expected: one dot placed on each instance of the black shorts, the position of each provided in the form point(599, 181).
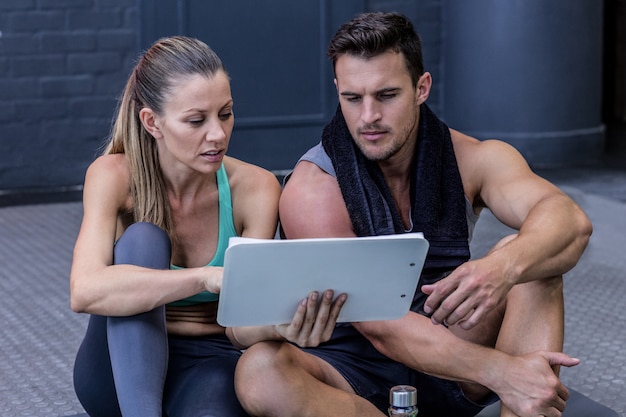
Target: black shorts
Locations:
point(372, 375)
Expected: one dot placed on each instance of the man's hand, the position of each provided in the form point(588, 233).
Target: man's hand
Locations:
point(314, 320)
point(529, 386)
point(467, 294)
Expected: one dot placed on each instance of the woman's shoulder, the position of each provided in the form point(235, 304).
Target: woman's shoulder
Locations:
point(254, 194)
point(111, 163)
point(245, 174)
point(109, 175)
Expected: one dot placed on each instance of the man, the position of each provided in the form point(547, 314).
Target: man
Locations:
point(385, 165)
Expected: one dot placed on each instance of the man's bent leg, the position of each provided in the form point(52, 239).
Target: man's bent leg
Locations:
point(534, 320)
point(484, 333)
point(279, 379)
point(531, 319)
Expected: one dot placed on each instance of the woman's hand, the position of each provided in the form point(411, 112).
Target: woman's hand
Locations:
point(314, 320)
point(212, 278)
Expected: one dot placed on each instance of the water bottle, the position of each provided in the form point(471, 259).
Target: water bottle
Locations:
point(403, 401)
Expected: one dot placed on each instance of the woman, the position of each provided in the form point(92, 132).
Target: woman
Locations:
point(159, 207)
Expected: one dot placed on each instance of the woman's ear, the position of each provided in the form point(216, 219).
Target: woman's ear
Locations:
point(150, 122)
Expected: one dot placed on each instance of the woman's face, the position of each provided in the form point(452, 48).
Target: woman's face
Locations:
point(194, 130)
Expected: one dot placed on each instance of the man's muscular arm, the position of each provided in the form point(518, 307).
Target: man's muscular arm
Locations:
point(553, 232)
point(526, 384)
point(311, 205)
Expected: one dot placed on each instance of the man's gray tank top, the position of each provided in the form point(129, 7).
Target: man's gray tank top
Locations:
point(318, 156)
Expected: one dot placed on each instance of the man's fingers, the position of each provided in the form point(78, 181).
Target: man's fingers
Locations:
point(562, 359)
point(311, 309)
point(432, 302)
point(464, 312)
point(438, 294)
point(298, 317)
point(327, 315)
point(314, 320)
point(323, 310)
point(451, 310)
point(337, 306)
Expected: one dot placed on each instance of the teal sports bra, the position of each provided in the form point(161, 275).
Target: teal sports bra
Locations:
point(226, 231)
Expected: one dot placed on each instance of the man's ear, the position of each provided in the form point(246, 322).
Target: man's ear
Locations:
point(150, 122)
point(424, 84)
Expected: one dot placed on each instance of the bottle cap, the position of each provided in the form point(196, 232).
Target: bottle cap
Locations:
point(403, 396)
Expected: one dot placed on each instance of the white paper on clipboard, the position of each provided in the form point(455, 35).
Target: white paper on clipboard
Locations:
point(264, 280)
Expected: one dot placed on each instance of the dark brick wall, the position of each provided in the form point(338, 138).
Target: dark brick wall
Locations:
point(64, 62)
point(427, 18)
point(62, 66)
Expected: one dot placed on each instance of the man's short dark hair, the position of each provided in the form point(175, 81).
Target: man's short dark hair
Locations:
point(371, 34)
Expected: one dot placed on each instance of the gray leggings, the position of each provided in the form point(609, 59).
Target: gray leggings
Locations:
point(128, 366)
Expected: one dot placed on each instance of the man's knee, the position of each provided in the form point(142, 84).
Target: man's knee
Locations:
point(257, 375)
point(502, 242)
point(540, 290)
point(553, 285)
point(257, 359)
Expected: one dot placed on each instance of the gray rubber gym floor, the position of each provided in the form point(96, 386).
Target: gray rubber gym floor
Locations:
point(39, 334)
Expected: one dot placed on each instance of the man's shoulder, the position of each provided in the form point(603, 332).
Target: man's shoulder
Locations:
point(311, 186)
point(463, 143)
point(468, 147)
point(308, 175)
point(311, 204)
point(480, 162)
point(318, 156)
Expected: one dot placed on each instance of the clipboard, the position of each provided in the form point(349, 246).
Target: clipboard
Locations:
point(264, 280)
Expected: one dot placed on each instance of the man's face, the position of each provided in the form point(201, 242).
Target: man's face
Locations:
point(379, 103)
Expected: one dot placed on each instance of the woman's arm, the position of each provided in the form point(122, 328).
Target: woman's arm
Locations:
point(97, 286)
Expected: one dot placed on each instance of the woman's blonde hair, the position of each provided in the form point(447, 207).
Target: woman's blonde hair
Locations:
point(150, 84)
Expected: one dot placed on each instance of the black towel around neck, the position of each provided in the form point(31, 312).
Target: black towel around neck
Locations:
point(438, 200)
